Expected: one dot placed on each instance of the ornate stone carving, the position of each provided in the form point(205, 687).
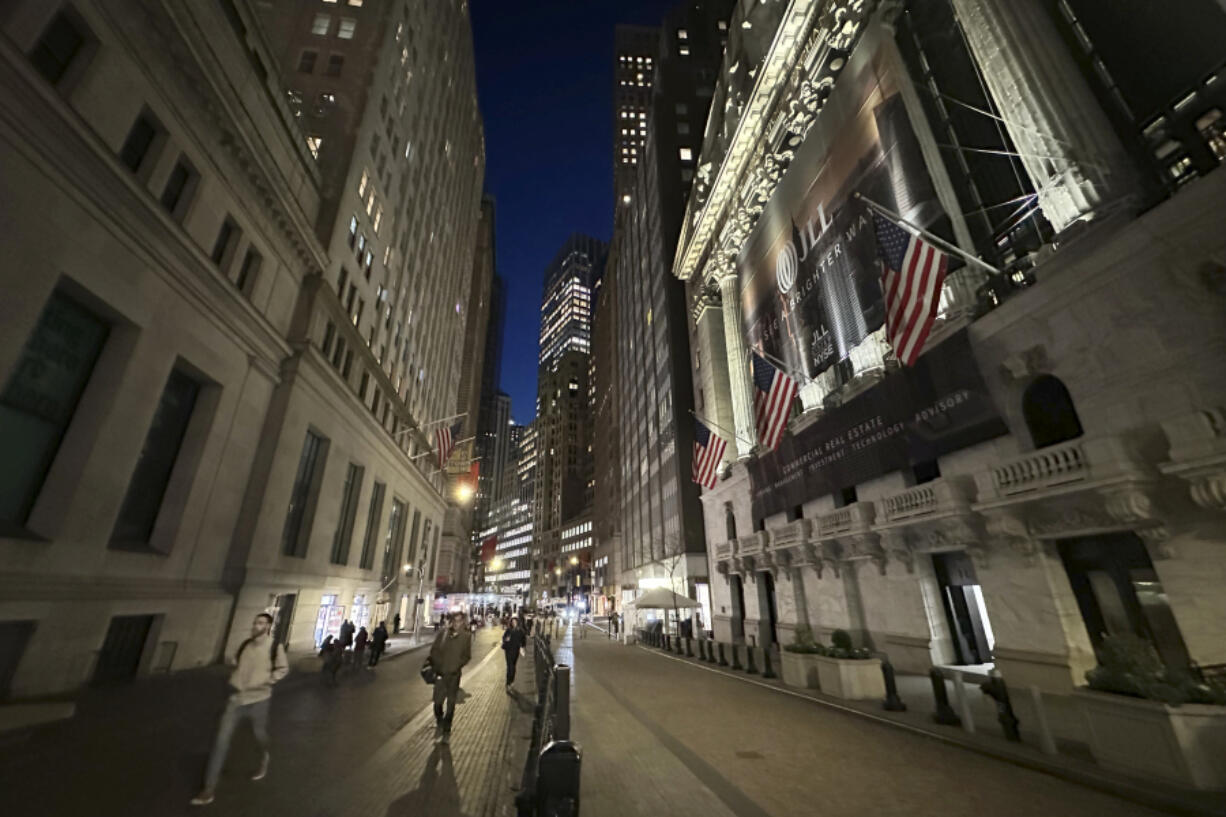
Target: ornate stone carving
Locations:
point(899, 549)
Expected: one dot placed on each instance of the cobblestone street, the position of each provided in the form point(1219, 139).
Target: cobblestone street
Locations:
point(363, 748)
point(661, 736)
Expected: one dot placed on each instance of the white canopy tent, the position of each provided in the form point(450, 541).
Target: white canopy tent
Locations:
point(661, 598)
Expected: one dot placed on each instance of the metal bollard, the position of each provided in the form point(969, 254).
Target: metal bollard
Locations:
point(767, 672)
point(736, 658)
point(723, 662)
point(561, 702)
point(557, 783)
point(702, 651)
point(945, 713)
point(749, 664)
point(892, 702)
point(996, 689)
point(710, 651)
point(680, 646)
point(689, 647)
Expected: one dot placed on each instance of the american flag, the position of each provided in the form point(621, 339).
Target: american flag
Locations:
point(772, 401)
point(708, 454)
point(445, 437)
point(914, 273)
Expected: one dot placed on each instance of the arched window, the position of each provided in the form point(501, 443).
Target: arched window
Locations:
point(729, 521)
point(1049, 412)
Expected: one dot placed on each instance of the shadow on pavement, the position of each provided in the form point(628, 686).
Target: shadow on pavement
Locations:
point(436, 792)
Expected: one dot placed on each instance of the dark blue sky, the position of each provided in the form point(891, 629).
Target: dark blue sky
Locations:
point(545, 82)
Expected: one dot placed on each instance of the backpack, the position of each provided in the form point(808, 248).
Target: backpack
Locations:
point(272, 653)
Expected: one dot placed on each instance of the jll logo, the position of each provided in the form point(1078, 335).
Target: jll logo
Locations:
point(787, 262)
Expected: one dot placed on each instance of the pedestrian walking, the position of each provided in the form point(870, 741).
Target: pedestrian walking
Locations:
point(330, 652)
point(613, 624)
point(512, 642)
point(451, 650)
point(396, 623)
point(346, 639)
point(259, 663)
point(359, 647)
point(378, 643)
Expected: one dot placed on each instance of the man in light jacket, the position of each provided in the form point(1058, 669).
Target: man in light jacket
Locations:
point(451, 650)
point(259, 663)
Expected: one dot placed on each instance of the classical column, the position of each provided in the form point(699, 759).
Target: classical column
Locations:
point(738, 368)
point(1067, 144)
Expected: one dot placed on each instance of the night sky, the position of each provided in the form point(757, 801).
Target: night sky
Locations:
point(545, 82)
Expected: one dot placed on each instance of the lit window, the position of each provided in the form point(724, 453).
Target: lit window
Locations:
point(723, 25)
point(363, 182)
point(313, 145)
point(682, 34)
point(684, 50)
point(348, 26)
point(378, 218)
point(321, 25)
point(355, 3)
point(687, 155)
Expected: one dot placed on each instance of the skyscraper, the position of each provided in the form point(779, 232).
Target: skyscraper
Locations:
point(564, 400)
point(634, 52)
point(662, 534)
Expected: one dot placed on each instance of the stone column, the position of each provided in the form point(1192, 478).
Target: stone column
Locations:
point(1069, 148)
point(738, 368)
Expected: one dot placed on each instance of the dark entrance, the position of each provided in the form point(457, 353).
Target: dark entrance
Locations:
point(964, 609)
point(738, 607)
point(1118, 592)
point(14, 636)
point(122, 650)
point(766, 601)
point(283, 617)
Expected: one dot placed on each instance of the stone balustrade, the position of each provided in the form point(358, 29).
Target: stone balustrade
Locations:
point(1045, 468)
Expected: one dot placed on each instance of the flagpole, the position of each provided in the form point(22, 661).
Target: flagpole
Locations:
point(717, 426)
point(431, 451)
point(795, 375)
point(935, 239)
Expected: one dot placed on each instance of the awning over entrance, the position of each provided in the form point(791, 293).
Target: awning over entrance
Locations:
point(661, 598)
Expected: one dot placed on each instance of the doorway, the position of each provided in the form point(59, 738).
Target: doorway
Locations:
point(14, 636)
point(766, 601)
point(120, 657)
point(962, 598)
point(1118, 592)
point(283, 617)
point(738, 608)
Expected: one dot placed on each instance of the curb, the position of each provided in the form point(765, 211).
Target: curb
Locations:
point(1123, 789)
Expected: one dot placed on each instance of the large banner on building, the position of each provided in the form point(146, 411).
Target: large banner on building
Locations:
point(913, 415)
point(809, 275)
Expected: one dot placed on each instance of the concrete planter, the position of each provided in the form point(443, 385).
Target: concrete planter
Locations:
point(855, 679)
point(1184, 745)
point(799, 669)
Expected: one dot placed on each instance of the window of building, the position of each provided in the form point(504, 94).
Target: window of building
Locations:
point(683, 50)
point(179, 187)
point(158, 455)
point(223, 246)
point(355, 3)
point(845, 497)
point(925, 471)
point(61, 42)
point(378, 217)
point(1049, 412)
point(139, 141)
point(314, 143)
point(249, 271)
point(348, 27)
point(361, 244)
point(363, 385)
point(341, 280)
point(683, 128)
point(329, 337)
point(682, 34)
point(335, 63)
point(723, 25)
point(686, 154)
point(306, 62)
point(394, 543)
point(353, 230)
point(298, 517)
point(320, 26)
point(40, 398)
point(348, 514)
point(372, 527)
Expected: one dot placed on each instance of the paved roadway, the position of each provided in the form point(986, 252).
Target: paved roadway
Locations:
point(664, 737)
point(365, 748)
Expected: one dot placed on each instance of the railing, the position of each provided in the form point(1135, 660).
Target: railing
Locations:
point(835, 522)
point(918, 500)
point(550, 786)
point(1044, 468)
point(724, 550)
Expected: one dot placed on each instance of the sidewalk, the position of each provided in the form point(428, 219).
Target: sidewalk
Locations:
point(365, 747)
point(1072, 764)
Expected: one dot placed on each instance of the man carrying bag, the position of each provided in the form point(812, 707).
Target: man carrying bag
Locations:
point(451, 650)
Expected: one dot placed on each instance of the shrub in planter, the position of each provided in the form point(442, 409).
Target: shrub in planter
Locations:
point(847, 671)
point(841, 647)
point(803, 642)
point(1155, 721)
point(799, 660)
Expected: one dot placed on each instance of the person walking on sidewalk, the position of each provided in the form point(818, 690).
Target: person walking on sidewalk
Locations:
point(451, 650)
point(378, 643)
point(396, 623)
point(346, 640)
point(512, 643)
point(330, 652)
point(359, 647)
point(259, 663)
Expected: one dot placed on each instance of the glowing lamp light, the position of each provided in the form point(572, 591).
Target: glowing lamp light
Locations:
point(496, 564)
point(464, 492)
point(574, 560)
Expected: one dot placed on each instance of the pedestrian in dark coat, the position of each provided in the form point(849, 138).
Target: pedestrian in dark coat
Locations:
point(452, 649)
point(359, 647)
point(330, 652)
point(512, 642)
point(396, 623)
point(378, 643)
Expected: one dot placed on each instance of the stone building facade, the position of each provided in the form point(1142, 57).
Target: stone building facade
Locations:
point(1094, 506)
point(210, 430)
